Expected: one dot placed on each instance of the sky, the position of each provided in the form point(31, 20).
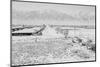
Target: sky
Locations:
point(28, 13)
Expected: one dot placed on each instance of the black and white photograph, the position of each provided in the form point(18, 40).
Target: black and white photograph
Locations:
point(52, 33)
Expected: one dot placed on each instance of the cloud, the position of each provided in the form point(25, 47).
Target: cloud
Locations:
point(42, 15)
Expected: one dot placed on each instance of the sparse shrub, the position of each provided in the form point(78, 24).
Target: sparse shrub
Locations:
point(90, 45)
point(76, 40)
point(81, 54)
point(93, 48)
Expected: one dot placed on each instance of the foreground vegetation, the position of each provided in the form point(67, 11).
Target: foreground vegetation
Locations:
point(52, 51)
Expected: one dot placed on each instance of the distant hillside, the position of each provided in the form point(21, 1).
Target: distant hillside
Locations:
point(74, 26)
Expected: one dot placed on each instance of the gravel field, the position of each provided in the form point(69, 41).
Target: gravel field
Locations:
point(33, 50)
